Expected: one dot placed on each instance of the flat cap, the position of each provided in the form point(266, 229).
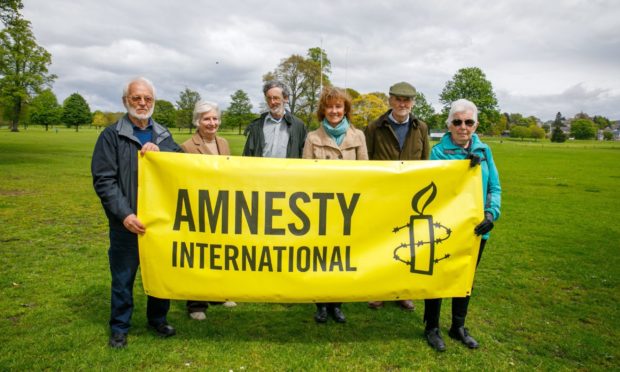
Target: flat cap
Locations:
point(403, 89)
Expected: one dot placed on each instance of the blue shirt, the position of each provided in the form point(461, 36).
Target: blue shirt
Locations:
point(400, 129)
point(143, 135)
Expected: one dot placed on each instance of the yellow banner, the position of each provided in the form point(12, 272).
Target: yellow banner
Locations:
point(296, 230)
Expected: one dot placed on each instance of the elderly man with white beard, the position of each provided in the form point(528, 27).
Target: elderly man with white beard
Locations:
point(277, 133)
point(114, 168)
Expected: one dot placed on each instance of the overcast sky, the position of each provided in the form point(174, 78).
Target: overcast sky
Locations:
point(540, 56)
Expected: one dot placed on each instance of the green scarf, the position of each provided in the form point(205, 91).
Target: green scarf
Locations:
point(338, 132)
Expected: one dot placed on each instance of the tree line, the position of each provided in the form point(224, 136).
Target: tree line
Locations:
point(26, 95)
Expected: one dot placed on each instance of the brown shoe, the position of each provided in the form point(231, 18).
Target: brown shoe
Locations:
point(406, 305)
point(375, 304)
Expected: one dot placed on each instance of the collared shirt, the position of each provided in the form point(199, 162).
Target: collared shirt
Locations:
point(276, 137)
point(400, 128)
point(143, 135)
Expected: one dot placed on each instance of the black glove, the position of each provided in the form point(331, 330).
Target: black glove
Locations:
point(486, 225)
point(473, 159)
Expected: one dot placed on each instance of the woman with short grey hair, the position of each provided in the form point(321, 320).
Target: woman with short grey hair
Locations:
point(206, 119)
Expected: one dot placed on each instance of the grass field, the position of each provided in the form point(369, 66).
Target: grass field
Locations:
point(546, 295)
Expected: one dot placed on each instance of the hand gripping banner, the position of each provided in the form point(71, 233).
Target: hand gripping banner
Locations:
point(296, 230)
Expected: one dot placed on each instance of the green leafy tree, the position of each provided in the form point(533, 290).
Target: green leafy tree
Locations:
point(519, 131)
point(45, 110)
point(304, 77)
point(608, 135)
point(113, 117)
point(601, 122)
point(500, 125)
point(383, 97)
point(557, 135)
point(352, 93)
point(23, 64)
point(239, 113)
point(292, 72)
point(536, 132)
point(422, 109)
point(75, 111)
point(316, 70)
point(518, 119)
point(471, 83)
point(367, 108)
point(582, 129)
point(99, 119)
point(164, 113)
point(185, 108)
point(437, 121)
point(9, 10)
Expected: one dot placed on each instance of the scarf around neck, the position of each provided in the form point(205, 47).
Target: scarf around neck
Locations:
point(338, 132)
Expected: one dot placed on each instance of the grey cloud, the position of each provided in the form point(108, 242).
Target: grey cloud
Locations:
point(530, 50)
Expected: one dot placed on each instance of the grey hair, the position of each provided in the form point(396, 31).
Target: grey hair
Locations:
point(138, 79)
point(276, 84)
point(462, 105)
point(201, 107)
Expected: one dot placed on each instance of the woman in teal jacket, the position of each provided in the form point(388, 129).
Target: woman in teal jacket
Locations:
point(463, 143)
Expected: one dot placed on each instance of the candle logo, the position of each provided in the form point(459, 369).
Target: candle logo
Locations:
point(424, 234)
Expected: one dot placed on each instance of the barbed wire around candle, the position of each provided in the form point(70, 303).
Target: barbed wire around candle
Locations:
point(421, 266)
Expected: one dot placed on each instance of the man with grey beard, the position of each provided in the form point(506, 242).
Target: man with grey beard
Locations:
point(276, 133)
point(114, 168)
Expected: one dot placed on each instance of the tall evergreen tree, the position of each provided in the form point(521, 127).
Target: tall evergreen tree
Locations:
point(557, 135)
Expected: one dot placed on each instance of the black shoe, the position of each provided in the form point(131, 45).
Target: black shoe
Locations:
point(321, 315)
point(434, 339)
point(462, 334)
point(118, 340)
point(338, 315)
point(164, 329)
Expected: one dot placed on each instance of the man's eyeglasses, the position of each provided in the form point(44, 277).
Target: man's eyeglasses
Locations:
point(136, 99)
point(468, 122)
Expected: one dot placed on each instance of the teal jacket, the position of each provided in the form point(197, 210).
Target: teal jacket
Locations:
point(491, 189)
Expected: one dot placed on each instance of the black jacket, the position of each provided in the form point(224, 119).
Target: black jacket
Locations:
point(114, 167)
point(256, 139)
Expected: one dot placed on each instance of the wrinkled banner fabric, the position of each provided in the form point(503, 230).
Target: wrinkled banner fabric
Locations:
point(297, 230)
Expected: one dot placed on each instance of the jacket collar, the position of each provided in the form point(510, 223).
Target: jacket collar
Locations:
point(385, 119)
point(447, 143)
point(124, 127)
point(288, 118)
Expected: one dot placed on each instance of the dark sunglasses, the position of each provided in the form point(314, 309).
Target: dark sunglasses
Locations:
point(468, 122)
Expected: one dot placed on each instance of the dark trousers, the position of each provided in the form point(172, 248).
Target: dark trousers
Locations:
point(196, 306)
point(124, 262)
point(432, 307)
point(329, 305)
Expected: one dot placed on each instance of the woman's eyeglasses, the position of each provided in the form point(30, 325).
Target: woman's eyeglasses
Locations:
point(468, 122)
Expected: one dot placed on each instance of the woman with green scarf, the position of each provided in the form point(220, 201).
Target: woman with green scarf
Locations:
point(336, 139)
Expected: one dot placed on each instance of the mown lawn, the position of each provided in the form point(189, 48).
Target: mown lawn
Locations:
point(546, 293)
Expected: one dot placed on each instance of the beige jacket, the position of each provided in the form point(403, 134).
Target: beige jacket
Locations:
point(195, 145)
point(319, 145)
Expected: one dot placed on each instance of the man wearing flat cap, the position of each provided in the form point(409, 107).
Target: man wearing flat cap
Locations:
point(397, 135)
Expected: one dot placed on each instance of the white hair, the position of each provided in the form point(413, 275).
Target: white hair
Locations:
point(138, 79)
point(462, 105)
point(201, 107)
